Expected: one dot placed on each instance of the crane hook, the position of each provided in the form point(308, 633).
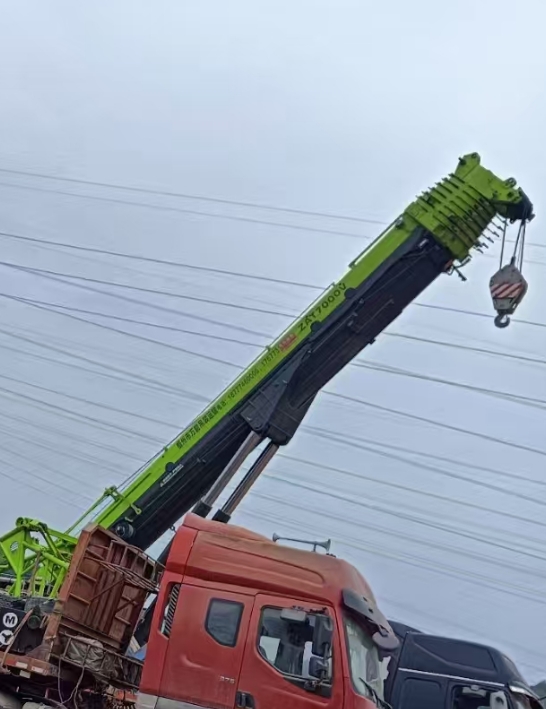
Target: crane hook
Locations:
point(507, 288)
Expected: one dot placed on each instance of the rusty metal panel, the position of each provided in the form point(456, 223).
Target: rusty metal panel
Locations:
point(103, 594)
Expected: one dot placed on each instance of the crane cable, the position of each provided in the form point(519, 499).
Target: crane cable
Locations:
point(519, 245)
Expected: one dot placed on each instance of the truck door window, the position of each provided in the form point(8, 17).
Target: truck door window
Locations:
point(477, 697)
point(223, 621)
point(287, 646)
point(364, 662)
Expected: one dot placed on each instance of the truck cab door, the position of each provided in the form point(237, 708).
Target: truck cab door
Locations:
point(417, 690)
point(205, 648)
point(275, 670)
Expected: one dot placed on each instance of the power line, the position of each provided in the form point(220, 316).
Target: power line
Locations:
point(61, 278)
point(468, 348)
point(193, 212)
point(72, 365)
point(58, 277)
point(201, 198)
point(185, 195)
point(466, 628)
point(236, 274)
point(353, 399)
point(169, 389)
point(483, 436)
point(134, 321)
point(406, 537)
point(322, 433)
point(529, 401)
point(88, 402)
point(507, 396)
point(48, 468)
point(50, 483)
point(30, 423)
point(407, 488)
point(411, 560)
point(64, 412)
point(132, 335)
point(439, 424)
point(55, 276)
point(345, 437)
point(62, 453)
point(439, 471)
point(535, 360)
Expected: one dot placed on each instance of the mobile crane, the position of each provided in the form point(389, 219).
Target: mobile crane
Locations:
point(268, 401)
point(264, 405)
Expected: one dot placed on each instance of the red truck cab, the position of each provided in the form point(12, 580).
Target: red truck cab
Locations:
point(243, 622)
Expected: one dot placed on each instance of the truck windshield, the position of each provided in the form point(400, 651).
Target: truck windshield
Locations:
point(364, 662)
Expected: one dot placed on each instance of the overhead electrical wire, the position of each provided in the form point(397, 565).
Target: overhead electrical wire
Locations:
point(407, 488)
point(410, 559)
point(438, 513)
point(408, 537)
point(226, 272)
point(455, 475)
point(187, 196)
point(193, 212)
point(88, 402)
point(334, 435)
point(439, 471)
point(109, 367)
point(517, 398)
point(64, 412)
point(58, 307)
point(438, 424)
point(183, 195)
point(344, 440)
point(507, 396)
point(396, 412)
point(41, 426)
point(49, 275)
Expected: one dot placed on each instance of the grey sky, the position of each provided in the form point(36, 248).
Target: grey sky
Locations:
point(343, 107)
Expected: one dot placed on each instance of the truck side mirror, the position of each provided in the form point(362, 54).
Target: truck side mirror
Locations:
point(323, 634)
point(318, 667)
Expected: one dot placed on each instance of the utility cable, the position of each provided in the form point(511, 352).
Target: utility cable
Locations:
point(226, 272)
point(345, 397)
point(183, 195)
point(425, 493)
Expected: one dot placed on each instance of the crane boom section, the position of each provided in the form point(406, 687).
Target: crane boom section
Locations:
point(445, 223)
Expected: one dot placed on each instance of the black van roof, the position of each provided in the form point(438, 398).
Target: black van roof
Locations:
point(434, 654)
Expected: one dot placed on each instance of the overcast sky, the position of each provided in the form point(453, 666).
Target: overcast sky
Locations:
point(348, 107)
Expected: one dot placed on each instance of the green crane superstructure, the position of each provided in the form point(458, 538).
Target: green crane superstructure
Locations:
point(267, 402)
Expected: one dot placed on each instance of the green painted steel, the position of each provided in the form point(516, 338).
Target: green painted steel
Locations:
point(456, 211)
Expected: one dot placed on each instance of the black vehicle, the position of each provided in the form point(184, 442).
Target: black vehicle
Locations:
point(432, 672)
